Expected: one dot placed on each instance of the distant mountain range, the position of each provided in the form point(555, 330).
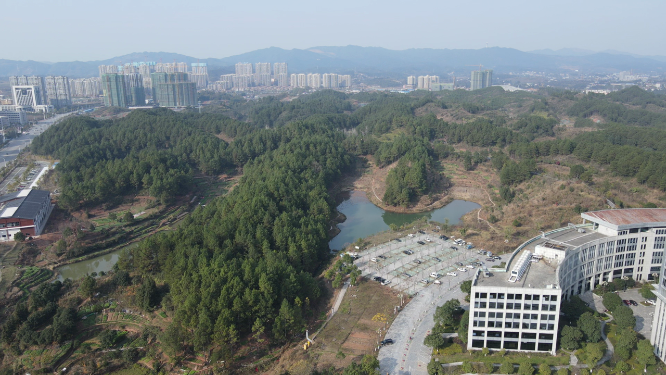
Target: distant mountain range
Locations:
point(375, 61)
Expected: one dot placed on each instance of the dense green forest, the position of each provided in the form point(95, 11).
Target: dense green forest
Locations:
point(246, 263)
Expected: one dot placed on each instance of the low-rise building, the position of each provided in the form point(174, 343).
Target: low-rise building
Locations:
point(25, 211)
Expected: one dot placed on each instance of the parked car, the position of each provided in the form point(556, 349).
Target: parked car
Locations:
point(443, 237)
point(386, 342)
point(373, 260)
point(451, 274)
point(462, 269)
point(397, 239)
point(454, 248)
point(420, 242)
point(497, 258)
point(417, 261)
point(386, 282)
point(634, 303)
point(381, 257)
point(425, 281)
point(651, 302)
point(427, 239)
point(377, 278)
point(437, 259)
point(626, 302)
point(437, 282)
point(408, 252)
point(490, 259)
point(469, 266)
point(434, 274)
point(410, 235)
point(422, 232)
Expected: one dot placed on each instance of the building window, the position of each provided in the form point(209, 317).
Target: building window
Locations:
point(509, 296)
point(509, 306)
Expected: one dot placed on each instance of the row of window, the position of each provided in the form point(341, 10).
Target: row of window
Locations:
point(512, 345)
point(513, 335)
point(514, 325)
point(528, 297)
point(482, 314)
point(514, 306)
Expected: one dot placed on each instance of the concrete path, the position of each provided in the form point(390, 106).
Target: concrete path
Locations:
point(408, 354)
point(610, 350)
point(338, 301)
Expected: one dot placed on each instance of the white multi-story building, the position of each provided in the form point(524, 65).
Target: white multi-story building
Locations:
point(199, 75)
point(517, 308)
point(330, 81)
point(346, 79)
point(281, 79)
point(243, 69)
point(279, 68)
point(314, 80)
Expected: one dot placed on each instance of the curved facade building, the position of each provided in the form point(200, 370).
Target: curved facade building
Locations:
point(561, 263)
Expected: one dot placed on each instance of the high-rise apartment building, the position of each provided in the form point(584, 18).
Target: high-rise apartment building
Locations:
point(411, 81)
point(200, 75)
point(243, 69)
point(281, 79)
point(302, 80)
point(329, 81)
point(108, 69)
point(136, 94)
point(58, 91)
point(314, 80)
point(85, 87)
point(262, 74)
point(346, 79)
point(424, 82)
point(293, 80)
point(113, 86)
point(481, 79)
point(279, 68)
point(173, 89)
point(243, 82)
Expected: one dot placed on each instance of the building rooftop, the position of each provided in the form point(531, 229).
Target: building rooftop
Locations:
point(24, 204)
point(540, 274)
point(628, 218)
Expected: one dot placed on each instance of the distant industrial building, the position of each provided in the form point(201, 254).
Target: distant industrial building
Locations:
point(173, 90)
point(26, 211)
point(482, 79)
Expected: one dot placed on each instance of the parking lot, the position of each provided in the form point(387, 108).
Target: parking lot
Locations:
point(642, 313)
point(407, 263)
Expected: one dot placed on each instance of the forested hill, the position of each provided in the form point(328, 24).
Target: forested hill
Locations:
point(156, 150)
point(245, 262)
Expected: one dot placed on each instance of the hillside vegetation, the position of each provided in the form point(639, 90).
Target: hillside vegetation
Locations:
point(246, 265)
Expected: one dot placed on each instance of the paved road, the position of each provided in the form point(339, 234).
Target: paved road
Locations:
point(12, 149)
point(12, 176)
point(408, 355)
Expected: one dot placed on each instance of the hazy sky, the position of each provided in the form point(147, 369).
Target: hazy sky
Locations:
point(67, 30)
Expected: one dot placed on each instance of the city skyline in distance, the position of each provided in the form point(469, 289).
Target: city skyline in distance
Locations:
point(141, 26)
